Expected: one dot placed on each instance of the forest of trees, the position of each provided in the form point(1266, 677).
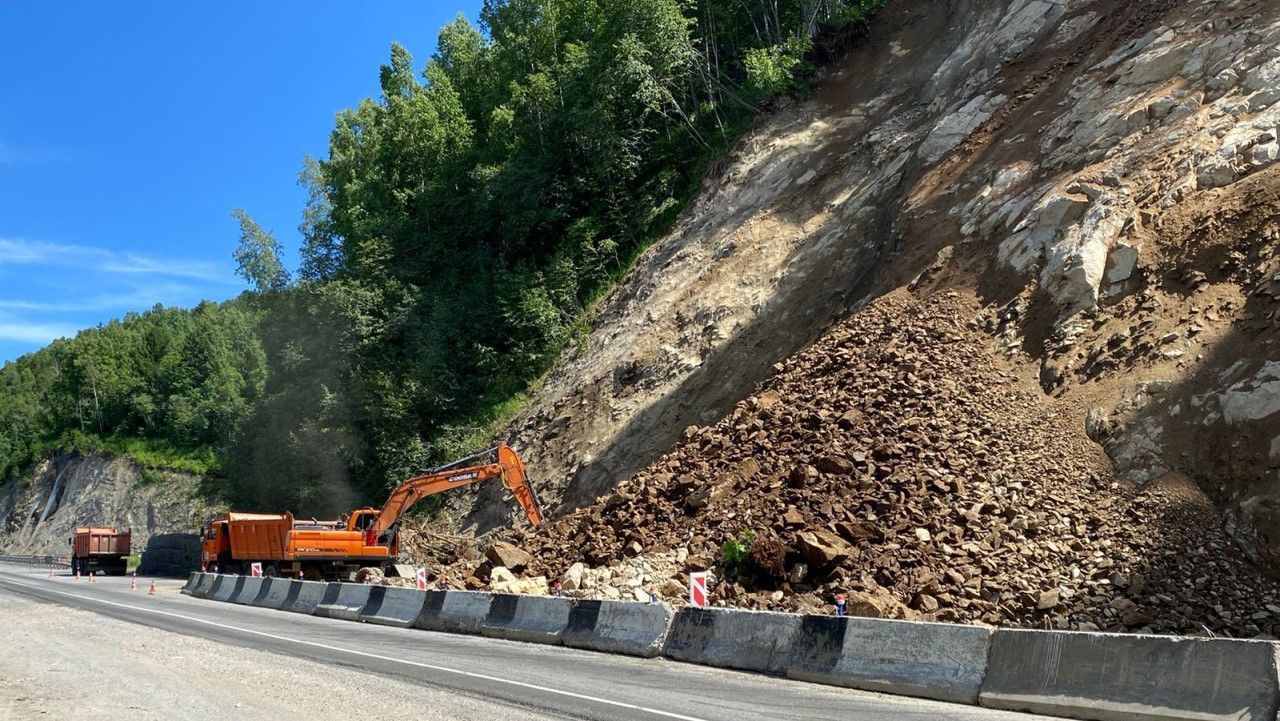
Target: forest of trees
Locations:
point(459, 230)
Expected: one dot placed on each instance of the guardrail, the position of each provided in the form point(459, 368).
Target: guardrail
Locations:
point(38, 561)
point(1093, 676)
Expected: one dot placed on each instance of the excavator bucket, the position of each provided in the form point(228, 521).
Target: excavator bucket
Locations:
point(516, 480)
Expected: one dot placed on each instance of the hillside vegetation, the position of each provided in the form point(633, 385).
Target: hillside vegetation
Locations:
point(459, 230)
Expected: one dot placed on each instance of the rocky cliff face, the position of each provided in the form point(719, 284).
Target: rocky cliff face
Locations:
point(165, 511)
point(1100, 176)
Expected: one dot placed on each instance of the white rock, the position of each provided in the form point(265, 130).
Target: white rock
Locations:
point(573, 577)
point(1215, 173)
point(954, 128)
point(1264, 154)
point(1121, 262)
point(1254, 398)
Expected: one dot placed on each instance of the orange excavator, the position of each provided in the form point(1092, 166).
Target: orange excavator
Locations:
point(367, 537)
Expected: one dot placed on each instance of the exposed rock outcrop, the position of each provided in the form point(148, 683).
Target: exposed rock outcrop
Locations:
point(163, 509)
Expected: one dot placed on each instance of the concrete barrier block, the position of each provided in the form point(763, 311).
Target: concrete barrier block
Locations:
point(747, 640)
point(1115, 677)
point(249, 589)
point(932, 660)
point(536, 619)
point(192, 579)
point(304, 596)
point(215, 586)
point(343, 600)
point(226, 588)
point(200, 589)
point(635, 629)
point(393, 606)
point(273, 594)
point(454, 611)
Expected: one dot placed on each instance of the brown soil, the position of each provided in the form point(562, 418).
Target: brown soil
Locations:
point(942, 474)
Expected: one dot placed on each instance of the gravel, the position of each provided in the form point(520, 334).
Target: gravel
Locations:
point(75, 664)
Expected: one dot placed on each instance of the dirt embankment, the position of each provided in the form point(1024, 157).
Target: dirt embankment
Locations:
point(899, 461)
point(1051, 231)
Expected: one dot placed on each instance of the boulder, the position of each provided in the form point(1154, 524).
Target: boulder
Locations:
point(524, 586)
point(875, 604)
point(823, 548)
point(500, 574)
point(505, 554)
point(572, 580)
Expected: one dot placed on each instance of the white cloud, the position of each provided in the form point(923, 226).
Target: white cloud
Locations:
point(139, 298)
point(18, 251)
point(41, 333)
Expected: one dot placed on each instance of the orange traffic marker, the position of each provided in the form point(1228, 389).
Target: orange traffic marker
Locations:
point(152, 592)
point(133, 584)
point(91, 577)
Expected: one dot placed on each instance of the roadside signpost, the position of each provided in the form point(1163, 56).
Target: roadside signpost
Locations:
point(698, 589)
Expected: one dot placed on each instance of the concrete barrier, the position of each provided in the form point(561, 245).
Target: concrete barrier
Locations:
point(203, 584)
point(192, 579)
point(273, 594)
point(226, 588)
point(304, 596)
point(393, 606)
point(343, 600)
point(454, 611)
point(248, 591)
point(1115, 677)
point(933, 660)
point(747, 640)
point(635, 629)
point(536, 619)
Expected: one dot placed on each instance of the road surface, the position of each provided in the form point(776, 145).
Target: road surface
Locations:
point(454, 677)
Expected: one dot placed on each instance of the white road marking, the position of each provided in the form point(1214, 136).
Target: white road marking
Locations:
point(444, 669)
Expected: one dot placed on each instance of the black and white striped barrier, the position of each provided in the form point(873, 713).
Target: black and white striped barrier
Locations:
point(1095, 676)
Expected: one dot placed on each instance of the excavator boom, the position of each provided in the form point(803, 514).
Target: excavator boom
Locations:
point(504, 464)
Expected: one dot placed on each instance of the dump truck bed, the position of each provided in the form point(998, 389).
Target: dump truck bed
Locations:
point(259, 536)
point(100, 542)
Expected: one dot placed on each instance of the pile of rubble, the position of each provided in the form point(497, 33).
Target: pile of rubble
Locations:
point(902, 462)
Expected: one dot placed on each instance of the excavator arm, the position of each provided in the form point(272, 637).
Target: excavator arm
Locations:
point(503, 463)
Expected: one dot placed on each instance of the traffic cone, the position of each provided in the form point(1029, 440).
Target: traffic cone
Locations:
point(77, 574)
point(133, 584)
point(152, 592)
point(91, 577)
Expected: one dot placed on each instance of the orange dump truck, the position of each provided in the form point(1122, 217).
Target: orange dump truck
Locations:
point(288, 547)
point(367, 537)
point(101, 550)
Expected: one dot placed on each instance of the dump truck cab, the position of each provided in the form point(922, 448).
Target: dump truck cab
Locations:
point(215, 547)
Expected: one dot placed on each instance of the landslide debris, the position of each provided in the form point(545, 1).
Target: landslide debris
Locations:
point(901, 461)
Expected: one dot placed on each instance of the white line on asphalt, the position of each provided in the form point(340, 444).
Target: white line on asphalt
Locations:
point(445, 669)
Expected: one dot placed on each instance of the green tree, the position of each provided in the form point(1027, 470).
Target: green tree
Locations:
point(258, 255)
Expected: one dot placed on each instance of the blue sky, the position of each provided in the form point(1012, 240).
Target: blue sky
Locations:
point(130, 130)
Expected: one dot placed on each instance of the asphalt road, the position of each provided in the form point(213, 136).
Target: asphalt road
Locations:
point(529, 678)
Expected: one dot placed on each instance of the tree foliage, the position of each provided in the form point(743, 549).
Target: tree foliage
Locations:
point(460, 226)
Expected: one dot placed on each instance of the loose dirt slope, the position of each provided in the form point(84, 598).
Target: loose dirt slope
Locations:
point(1053, 230)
